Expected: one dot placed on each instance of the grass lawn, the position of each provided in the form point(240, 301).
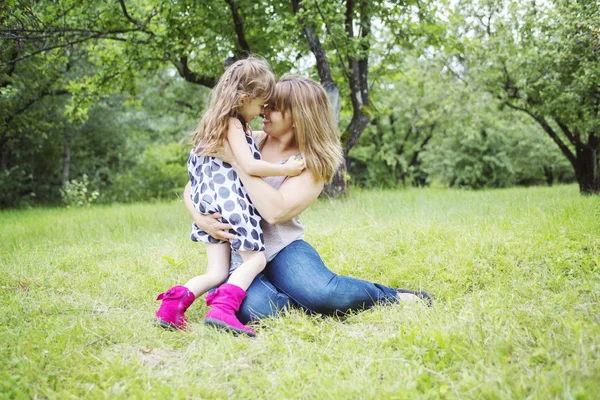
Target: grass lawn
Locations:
point(516, 273)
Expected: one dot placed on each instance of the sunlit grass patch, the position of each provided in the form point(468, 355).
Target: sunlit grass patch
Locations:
point(516, 274)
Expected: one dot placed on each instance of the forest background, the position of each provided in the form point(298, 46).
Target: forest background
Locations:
point(97, 98)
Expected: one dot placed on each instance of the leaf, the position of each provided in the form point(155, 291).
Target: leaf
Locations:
point(169, 260)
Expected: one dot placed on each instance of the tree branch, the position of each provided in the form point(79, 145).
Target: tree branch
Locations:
point(572, 138)
point(363, 59)
point(315, 46)
point(335, 46)
point(96, 35)
point(239, 27)
point(331, 88)
point(548, 129)
point(191, 76)
point(354, 78)
point(45, 49)
point(25, 107)
point(406, 136)
point(129, 17)
point(415, 157)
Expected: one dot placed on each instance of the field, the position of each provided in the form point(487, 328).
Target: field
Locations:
point(516, 274)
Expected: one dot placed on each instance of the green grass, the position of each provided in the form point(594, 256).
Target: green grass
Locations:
point(516, 273)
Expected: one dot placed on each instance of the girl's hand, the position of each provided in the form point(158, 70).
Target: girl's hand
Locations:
point(210, 224)
point(227, 154)
point(294, 166)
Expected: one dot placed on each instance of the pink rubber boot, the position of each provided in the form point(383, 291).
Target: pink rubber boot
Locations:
point(225, 302)
point(175, 302)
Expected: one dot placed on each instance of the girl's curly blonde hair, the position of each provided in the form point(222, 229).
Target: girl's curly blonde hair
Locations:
point(244, 80)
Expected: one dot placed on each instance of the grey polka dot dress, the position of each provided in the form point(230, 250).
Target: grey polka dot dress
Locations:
point(216, 187)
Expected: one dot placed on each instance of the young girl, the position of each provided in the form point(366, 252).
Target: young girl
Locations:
point(237, 99)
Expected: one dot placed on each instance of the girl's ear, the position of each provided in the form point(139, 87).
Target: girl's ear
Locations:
point(243, 99)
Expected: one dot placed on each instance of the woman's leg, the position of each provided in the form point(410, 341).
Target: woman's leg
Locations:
point(299, 272)
point(262, 300)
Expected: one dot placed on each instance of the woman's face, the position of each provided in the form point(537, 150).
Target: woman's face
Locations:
point(275, 123)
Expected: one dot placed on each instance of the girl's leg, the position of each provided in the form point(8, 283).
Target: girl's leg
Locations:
point(254, 263)
point(218, 255)
point(226, 300)
point(175, 301)
point(299, 272)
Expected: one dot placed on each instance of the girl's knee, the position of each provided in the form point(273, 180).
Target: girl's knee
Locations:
point(256, 259)
point(261, 261)
point(217, 277)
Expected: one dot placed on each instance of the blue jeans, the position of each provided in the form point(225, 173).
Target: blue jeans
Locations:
point(297, 277)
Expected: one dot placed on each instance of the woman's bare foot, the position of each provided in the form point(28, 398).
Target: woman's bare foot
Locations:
point(408, 298)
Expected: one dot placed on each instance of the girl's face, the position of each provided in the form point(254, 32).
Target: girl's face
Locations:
point(275, 123)
point(251, 109)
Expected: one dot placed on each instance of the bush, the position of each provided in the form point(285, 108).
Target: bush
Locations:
point(160, 173)
point(16, 186)
point(472, 160)
point(77, 193)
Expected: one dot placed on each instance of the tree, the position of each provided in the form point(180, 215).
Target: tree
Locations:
point(347, 29)
point(542, 60)
point(416, 102)
point(124, 40)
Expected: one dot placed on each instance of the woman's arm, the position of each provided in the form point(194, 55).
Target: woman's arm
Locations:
point(246, 161)
point(208, 223)
point(293, 197)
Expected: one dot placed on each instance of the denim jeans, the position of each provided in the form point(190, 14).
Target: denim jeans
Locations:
point(297, 277)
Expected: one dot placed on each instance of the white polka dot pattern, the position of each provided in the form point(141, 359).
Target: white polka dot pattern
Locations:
point(217, 188)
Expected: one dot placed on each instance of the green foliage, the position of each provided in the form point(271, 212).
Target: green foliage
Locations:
point(160, 173)
point(112, 79)
point(536, 160)
point(414, 104)
point(16, 188)
point(78, 193)
point(473, 160)
point(539, 58)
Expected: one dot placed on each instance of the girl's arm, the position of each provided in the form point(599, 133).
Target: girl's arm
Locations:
point(250, 165)
point(208, 223)
point(293, 197)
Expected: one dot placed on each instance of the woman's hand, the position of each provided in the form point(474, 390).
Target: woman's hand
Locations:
point(210, 224)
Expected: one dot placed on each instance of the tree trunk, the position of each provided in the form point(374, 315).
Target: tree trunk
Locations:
point(333, 94)
point(549, 174)
point(67, 158)
point(584, 161)
point(586, 168)
point(338, 187)
point(4, 163)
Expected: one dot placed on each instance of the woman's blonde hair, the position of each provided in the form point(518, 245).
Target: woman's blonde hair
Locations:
point(315, 129)
point(244, 80)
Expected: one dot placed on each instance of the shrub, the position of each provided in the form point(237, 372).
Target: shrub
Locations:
point(77, 193)
point(160, 172)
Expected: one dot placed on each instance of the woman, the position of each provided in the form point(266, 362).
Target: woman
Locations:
point(298, 122)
